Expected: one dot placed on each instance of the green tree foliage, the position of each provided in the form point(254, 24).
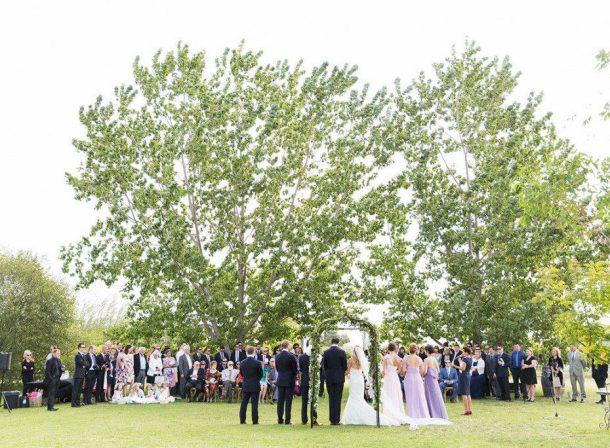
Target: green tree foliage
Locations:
point(36, 311)
point(230, 197)
point(476, 162)
point(578, 297)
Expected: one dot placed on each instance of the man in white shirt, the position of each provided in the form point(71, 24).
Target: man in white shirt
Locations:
point(228, 377)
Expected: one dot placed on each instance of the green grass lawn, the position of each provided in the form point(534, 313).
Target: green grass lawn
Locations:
point(205, 424)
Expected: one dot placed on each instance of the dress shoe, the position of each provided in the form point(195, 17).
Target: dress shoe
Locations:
point(582, 400)
point(573, 400)
point(287, 423)
point(316, 424)
point(53, 409)
point(600, 402)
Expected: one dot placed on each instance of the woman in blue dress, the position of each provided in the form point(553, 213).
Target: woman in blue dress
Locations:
point(464, 380)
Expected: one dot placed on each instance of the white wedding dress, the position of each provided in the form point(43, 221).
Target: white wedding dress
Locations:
point(357, 411)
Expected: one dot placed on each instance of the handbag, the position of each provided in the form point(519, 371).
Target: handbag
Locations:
point(297, 390)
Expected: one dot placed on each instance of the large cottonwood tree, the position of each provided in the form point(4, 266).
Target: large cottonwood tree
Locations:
point(230, 196)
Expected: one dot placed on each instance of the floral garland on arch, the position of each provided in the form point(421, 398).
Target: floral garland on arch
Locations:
point(314, 367)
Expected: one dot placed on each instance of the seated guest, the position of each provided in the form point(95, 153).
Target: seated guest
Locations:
point(27, 369)
point(212, 378)
point(240, 379)
point(449, 378)
point(195, 379)
point(477, 385)
point(228, 378)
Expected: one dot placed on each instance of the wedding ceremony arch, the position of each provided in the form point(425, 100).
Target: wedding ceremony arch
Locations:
point(314, 368)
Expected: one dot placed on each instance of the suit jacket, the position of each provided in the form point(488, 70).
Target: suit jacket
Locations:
point(599, 371)
point(80, 366)
point(241, 356)
point(52, 370)
point(452, 375)
point(502, 370)
point(199, 357)
point(218, 358)
point(251, 371)
point(183, 364)
point(490, 365)
point(286, 365)
point(515, 359)
point(304, 368)
point(200, 375)
point(335, 365)
point(101, 360)
point(577, 362)
point(137, 364)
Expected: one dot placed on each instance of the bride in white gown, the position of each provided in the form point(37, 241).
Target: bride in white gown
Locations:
point(357, 411)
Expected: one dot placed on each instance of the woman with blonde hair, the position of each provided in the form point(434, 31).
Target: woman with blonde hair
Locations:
point(556, 365)
point(27, 369)
point(412, 369)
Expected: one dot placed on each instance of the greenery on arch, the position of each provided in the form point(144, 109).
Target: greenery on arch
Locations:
point(314, 369)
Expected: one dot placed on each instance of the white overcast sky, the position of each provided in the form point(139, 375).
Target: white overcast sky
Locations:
point(58, 55)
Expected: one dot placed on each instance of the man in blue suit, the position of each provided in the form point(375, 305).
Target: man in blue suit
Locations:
point(516, 358)
point(252, 371)
point(449, 378)
point(286, 365)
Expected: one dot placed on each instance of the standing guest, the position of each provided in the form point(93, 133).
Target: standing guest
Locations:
point(501, 374)
point(103, 361)
point(238, 354)
point(273, 380)
point(251, 371)
point(434, 398)
point(140, 365)
point(27, 369)
point(198, 356)
point(422, 353)
point(207, 358)
point(490, 370)
point(264, 382)
point(516, 361)
point(119, 347)
point(335, 365)
point(322, 380)
point(264, 356)
point(577, 373)
point(401, 352)
point(412, 368)
point(91, 369)
point(79, 375)
point(111, 374)
point(304, 362)
point(477, 384)
point(464, 379)
point(120, 370)
point(185, 363)
point(556, 365)
point(52, 374)
point(129, 364)
point(221, 357)
point(169, 369)
point(228, 378)
point(449, 378)
point(600, 375)
point(286, 365)
point(528, 374)
point(212, 379)
point(155, 368)
point(50, 354)
point(456, 353)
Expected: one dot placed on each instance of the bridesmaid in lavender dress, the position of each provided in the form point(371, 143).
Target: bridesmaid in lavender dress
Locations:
point(414, 386)
point(436, 405)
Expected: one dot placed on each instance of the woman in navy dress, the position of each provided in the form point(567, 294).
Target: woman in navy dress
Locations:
point(464, 380)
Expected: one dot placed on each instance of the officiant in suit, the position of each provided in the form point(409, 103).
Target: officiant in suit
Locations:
point(251, 371)
point(335, 365)
point(286, 365)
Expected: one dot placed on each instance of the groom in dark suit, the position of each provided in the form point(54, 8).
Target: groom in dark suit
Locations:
point(252, 372)
point(335, 365)
point(286, 365)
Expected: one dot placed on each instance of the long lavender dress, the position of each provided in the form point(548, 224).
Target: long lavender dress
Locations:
point(436, 406)
point(414, 389)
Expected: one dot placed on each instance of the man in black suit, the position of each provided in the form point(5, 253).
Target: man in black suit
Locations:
point(238, 354)
point(220, 357)
point(286, 365)
point(52, 374)
point(103, 361)
point(335, 365)
point(304, 372)
point(199, 355)
point(91, 370)
point(79, 375)
point(251, 372)
point(502, 369)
